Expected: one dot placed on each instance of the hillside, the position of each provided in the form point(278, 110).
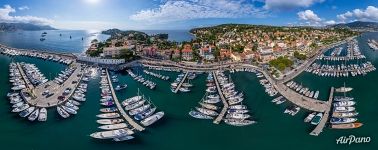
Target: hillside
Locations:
point(23, 27)
point(358, 25)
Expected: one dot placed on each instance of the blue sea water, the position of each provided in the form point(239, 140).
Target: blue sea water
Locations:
point(56, 40)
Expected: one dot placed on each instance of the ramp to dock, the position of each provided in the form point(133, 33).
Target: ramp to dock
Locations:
point(319, 128)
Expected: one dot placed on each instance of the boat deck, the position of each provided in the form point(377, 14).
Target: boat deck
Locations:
point(181, 82)
point(41, 101)
point(225, 104)
point(319, 128)
point(119, 107)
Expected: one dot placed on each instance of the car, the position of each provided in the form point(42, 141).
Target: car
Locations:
point(49, 95)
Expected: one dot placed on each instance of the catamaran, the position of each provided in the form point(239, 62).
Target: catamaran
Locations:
point(34, 115)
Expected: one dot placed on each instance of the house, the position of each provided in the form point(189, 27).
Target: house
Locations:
point(176, 53)
point(207, 52)
point(150, 51)
point(266, 54)
point(187, 52)
point(112, 51)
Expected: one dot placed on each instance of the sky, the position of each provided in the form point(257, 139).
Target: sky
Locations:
point(183, 14)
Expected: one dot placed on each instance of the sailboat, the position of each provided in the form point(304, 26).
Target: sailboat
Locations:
point(343, 89)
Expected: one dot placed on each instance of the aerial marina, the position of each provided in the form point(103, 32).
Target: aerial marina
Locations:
point(188, 74)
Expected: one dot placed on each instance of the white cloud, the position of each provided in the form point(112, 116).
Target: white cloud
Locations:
point(330, 22)
point(23, 8)
point(85, 25)
point(289, 4)
point(178, 10)
point(369, 14)
point(6, 17)
point(308, 15)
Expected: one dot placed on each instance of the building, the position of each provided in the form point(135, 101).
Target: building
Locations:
point(112, 51)
point(187, 52)
point(100, 61)
point(266, 54)
point(207, 52)
point(150, 51)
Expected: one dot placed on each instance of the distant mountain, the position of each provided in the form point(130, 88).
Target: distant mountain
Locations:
point(24, 27)
point(358, 26)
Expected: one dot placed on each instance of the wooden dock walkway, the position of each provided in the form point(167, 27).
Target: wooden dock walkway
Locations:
point(181, 82)
point(27, 82)
point(119, 106)
point(319, 128)
point(225, 104)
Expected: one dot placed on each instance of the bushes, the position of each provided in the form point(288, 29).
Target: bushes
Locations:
point(281, 63)
point(299, 56)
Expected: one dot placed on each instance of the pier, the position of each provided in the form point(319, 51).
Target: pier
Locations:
point(119, 107)
point(225, 104)
point(27, 82)
point(52, 87)
point(319, 128)
point(182, 81)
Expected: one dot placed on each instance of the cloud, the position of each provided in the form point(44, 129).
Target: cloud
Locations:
point(6, 17)
point(178, 10)
point(23, 8)
point(330, 22)
point(369, 14)
point(308, 15)
point(289, 4)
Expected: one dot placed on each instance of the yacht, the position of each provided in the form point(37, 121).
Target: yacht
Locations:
point(344, 115)
point(346, 126)
point(208, 106)
point(108, 110)
point(152, 119)
point(139, 109)
point(112, 134)
point(34, 115)
point(199, 115)
point(207, 111)
point(62, 112)
point(344, 103)
point(237, 122)
point(123, 138)
point(121, 87)
point(113, 126)
point(310, 117)
point(108, 115)
point(69, 110)
point(342, 120)
point(21, 108)
point(131, 100)
point(42, 115)
point(343, 109)
point(144, 114)
point(109, 121)
point(135, 105)
point(316, 120)
point(26, 112)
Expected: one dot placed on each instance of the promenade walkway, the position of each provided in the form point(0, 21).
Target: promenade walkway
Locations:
point(224, 101)
point(181, 82)
point(319, 128)
point(119, 106)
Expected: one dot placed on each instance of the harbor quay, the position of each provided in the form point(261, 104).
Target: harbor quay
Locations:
point(72, 82)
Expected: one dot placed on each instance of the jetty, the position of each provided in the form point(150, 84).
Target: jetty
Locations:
point(119, 107)
point(319, 128)
point(28, 84)
point(181, 82)
point(225, 104)
point(41, 101)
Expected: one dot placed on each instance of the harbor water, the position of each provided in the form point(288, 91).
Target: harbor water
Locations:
point(177, 130)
